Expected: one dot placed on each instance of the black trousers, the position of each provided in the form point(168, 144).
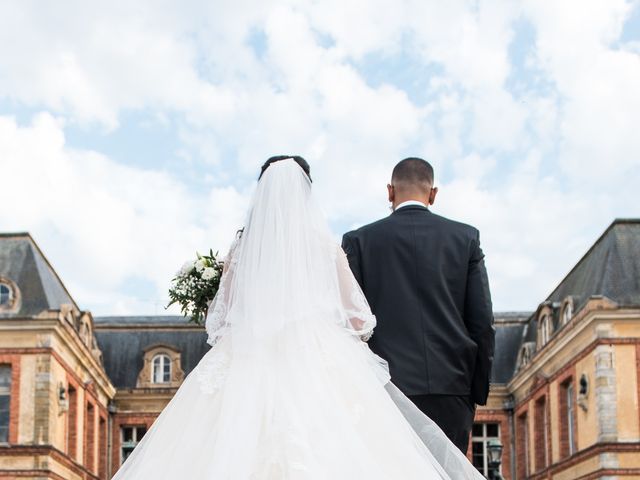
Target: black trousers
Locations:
point(453, 414)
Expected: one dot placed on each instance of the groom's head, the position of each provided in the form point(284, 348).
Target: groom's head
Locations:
point(412, 179)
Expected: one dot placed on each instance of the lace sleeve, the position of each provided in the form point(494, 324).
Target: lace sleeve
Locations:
point(360, 320)
point(216, 323)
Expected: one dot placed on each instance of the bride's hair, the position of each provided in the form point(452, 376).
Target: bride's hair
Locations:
point(299, 160)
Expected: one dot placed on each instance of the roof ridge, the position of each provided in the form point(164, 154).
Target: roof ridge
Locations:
point(15, 234)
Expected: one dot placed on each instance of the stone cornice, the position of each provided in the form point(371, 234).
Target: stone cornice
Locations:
point(566, 335)
point(50, 322)
point(45, 451)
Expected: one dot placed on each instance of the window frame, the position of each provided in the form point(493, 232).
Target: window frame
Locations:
point(567, 414)
point(484, 439)
point(5, 391)
point(541, 425)
point(571, 427)
point(567, 312)
point(133, 443)
point(545, 329)
point(164, 365)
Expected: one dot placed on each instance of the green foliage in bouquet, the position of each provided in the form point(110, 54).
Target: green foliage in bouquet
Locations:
point(195, 285)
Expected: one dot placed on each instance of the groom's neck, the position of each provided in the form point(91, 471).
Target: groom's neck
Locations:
point(410, 197)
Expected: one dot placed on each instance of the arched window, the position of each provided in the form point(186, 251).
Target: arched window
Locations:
point(6, 295)
point(567, 313)
point(161, 369)
point(544, 330)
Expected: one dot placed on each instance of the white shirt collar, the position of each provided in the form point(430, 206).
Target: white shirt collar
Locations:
point(410, 202)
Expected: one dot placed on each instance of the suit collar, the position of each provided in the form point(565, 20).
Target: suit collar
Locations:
point(408, 208)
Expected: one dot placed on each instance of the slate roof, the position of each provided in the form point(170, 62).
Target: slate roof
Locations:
point(611, 267)
point(123, 340)
point(509, 332)
point(22, 262)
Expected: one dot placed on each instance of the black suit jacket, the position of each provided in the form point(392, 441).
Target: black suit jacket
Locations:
point(425, 279)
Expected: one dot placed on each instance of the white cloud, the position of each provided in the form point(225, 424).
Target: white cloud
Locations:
point(103, 222)
point(540, 172)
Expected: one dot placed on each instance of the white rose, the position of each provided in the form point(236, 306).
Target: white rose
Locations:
point(199, 265)
point(208, 273)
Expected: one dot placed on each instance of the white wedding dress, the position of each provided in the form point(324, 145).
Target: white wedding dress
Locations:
point(289, 389)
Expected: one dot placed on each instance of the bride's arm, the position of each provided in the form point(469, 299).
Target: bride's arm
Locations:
point(360, 320)
point(217, 312)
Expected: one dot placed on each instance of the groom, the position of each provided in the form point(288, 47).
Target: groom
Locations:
point(425, 279)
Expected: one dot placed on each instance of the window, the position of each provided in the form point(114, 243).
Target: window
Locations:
point(567, 313)
point(131, 436)
point(541, 438)
point(161, 369)
point(89, 441)
point(570, 418)
point(5, 401)
point(481, 434)
point(523, 446)
point(567, 419)
point(72, 422)
point(6, 295)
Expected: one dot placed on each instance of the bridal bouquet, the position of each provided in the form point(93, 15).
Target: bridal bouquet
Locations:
point(195, 285)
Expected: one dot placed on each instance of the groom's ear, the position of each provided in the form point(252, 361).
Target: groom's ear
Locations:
point(432, 195)
point(392, 193)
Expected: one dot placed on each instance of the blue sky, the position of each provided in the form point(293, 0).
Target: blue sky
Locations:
point(132, 137)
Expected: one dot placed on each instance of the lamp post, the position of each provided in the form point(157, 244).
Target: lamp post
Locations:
point(494, 454)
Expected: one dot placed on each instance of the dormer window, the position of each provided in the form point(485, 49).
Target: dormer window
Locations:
point(6, 295)
point(9, 296)
point(545, 329)
point(567, 311)
point(525, 354)
point(161, 368)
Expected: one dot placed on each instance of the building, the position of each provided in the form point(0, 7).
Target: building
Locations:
point(77, 393)
point(567, 376)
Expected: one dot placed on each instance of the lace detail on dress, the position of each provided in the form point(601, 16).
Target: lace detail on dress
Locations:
point(212, 372)
point(215, 323)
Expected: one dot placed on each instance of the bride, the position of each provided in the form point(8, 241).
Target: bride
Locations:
point(290, 389)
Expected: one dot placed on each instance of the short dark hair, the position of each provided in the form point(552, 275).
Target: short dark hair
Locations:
point(304, 165)
point(413, 171)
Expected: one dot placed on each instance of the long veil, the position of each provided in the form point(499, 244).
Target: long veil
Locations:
point(282, 273)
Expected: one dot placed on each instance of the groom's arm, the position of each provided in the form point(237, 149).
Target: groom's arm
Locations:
point(479, 321)
point(350, 247)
